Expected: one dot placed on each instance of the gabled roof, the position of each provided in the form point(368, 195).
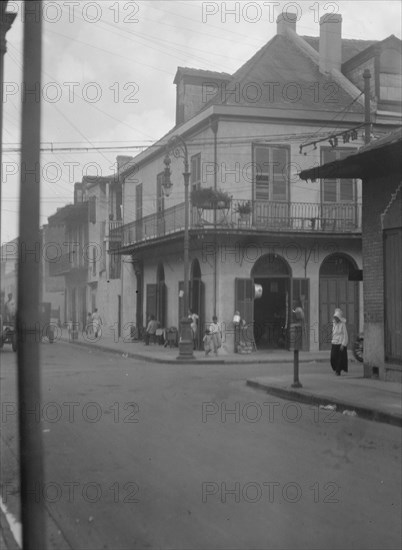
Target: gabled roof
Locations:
point(189, 71)
point(285, 77)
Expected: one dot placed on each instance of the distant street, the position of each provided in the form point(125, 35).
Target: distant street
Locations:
point(156, 456)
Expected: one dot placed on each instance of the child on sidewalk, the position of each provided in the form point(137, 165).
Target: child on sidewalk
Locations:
point(207, 341)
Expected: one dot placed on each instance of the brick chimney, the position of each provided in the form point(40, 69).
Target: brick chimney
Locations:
point(330, 42)
point(286, 20)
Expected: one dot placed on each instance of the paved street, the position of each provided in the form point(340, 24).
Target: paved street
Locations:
point(142, 455)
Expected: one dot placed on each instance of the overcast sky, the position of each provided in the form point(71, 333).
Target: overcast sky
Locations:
point(108, 70)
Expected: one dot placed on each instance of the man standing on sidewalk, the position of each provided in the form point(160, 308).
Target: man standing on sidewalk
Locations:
point(339, 354)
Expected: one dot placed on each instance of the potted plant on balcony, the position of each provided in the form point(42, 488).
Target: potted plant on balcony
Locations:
point(244, 210)
point(207, 198)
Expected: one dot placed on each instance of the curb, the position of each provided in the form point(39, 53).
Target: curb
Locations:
point(201, 361)
point(144, 357)
point(313, 399)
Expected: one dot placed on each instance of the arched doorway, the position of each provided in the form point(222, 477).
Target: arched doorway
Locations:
point(197, 298)
point(337, 291)
point(271, 311)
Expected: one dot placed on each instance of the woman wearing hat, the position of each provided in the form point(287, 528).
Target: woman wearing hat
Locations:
point(339, 354)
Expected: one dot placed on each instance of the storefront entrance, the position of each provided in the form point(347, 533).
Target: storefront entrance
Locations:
point(337, 291)
point(271, 310)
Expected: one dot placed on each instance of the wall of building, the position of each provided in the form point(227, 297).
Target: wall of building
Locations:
point(377, 195)
point(235, 161)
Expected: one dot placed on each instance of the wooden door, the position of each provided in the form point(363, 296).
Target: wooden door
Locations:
point(393, 295)
point(151, 305)
point(337, 291)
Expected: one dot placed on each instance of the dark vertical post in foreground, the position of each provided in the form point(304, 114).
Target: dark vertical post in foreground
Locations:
point(28, 317)
point(367, 114)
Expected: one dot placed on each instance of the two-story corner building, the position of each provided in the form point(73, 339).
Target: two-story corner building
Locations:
point(296, 103)
point(81, 236)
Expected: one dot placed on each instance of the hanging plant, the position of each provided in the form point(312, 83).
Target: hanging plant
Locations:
point(244, 208)
point(208, 198)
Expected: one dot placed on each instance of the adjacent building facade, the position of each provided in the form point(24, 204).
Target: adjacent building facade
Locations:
point(379, 165)
point(79, 247)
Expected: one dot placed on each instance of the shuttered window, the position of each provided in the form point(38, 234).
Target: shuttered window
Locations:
point(92, 209)
point(271, 172)
point(333, 189)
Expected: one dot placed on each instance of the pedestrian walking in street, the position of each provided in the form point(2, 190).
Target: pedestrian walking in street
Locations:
point(96, 323)
point(194, 326)
point(207, 342)
point(150, 333)
point(339, 354)
point(216, 336)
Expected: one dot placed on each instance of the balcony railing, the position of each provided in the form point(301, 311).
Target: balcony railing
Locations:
point(115, 230)
point(262, 216)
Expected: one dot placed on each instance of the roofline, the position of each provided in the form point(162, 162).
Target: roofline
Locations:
point(221, 111)
point(371, 51)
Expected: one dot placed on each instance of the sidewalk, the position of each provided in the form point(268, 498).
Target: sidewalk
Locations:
point(368, 398)
point(156, 353)
point(349, 394)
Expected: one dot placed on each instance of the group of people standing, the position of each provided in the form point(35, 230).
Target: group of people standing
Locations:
point(212, 339)
point(212, 336)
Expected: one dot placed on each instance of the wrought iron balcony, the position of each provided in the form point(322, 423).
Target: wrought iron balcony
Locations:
point(115, 230)
point(240, 215)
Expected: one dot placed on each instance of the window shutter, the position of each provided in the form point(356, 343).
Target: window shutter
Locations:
point(244, 299)
point(151, 301)
point(92, 209)
point(279, 166)
point(330, 190)
point(161, 301)
point(346, 190)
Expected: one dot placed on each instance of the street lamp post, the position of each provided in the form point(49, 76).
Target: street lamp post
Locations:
point(178, 147)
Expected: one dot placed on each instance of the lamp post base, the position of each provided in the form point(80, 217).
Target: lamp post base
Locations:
point(296, 381)
point(186, 344)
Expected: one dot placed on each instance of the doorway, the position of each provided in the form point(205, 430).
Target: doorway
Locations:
point(271, 310)
point(337, 291)
point(271, 313)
